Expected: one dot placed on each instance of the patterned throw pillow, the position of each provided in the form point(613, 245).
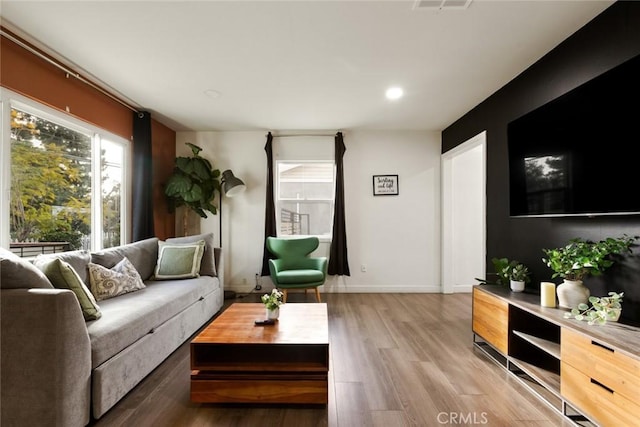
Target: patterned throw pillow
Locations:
point(179, 260)
point(63, 276)
point(120, 279)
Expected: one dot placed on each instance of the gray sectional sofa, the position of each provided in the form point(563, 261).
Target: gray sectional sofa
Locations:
point(59, 369)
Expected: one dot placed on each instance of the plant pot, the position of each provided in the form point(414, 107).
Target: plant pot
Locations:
point(516, 285)
point(616, 315)
point(273, 314)
point(571, 293)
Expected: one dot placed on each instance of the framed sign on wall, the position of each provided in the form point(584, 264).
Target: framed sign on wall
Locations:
point(385, 185)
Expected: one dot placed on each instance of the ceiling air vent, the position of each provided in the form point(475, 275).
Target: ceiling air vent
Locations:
point(441, 4)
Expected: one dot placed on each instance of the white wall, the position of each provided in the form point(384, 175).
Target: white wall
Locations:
point(397, 238)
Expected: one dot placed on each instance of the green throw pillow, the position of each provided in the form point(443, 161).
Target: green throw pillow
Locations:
point(179, 260)
point(63, 276)
point(120, 279)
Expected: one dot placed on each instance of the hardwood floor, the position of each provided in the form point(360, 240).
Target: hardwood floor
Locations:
point(395, 360)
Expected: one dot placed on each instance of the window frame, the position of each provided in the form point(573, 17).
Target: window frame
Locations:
point(278, 200)
point(9, 100)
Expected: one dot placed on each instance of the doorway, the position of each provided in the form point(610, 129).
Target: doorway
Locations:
point(464, 215)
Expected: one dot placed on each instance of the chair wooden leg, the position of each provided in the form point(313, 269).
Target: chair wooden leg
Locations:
point(318, 294)
point(284, 295)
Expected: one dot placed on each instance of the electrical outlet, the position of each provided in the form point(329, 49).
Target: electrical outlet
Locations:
point(363, 268)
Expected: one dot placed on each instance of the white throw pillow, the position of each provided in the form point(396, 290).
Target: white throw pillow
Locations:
point(179, 260)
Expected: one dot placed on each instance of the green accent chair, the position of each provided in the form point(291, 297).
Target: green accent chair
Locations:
point(294, 268)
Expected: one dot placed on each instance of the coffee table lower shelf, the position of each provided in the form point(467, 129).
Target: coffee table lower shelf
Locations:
point(279, 388)
point(235, 361)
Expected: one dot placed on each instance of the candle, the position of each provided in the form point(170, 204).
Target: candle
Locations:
point(547, 294)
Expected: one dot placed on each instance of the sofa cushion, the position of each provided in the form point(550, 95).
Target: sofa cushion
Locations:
point(142, 254)
point(178, 260)
point(63, 276)
point(108, 283)
point(16, 272)
point(208, 264)
point(129, 317)
point(79, 260)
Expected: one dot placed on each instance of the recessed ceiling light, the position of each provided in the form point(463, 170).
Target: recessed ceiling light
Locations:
point(394, 93)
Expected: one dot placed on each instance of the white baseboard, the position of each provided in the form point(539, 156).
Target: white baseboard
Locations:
point(361, 289)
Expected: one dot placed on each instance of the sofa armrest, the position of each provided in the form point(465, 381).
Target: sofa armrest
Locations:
point(45, 367)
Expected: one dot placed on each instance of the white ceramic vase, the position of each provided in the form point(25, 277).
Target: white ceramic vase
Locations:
point(516, 285)
point(273, 314)
point(571, 293)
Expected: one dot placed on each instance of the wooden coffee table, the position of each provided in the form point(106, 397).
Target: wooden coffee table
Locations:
point(235, 361)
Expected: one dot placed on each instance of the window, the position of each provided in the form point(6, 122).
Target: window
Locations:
point(67, 187)
point(305, 197)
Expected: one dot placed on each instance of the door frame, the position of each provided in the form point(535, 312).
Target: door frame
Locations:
point(449, 172)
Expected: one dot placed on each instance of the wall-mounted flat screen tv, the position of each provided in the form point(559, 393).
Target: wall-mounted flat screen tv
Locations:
point(578, 154)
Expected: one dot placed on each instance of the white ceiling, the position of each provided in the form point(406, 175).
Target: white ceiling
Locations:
point(300, 65)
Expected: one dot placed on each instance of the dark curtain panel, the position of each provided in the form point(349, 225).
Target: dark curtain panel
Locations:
point(270, 209)
point(142, 196)
point(338, 260)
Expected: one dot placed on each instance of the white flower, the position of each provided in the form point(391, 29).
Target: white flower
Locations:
point(273, 300)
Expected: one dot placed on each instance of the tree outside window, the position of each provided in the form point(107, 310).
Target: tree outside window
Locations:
point(51, 183)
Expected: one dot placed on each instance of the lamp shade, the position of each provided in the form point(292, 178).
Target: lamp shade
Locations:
point(231, 185)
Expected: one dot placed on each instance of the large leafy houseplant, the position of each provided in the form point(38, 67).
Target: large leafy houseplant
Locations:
point(193, 184)
point(581, 258)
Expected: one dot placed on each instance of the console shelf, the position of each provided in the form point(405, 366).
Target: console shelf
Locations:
point(553, 348)
point(558, 359)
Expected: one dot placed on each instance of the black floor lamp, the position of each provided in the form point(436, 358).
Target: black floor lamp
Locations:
point(231, 187)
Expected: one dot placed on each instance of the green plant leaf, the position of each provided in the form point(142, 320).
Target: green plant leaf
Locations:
point(194, 148)
point(201, 169)
point(193, 194)
point(177, 185)
point(184, 164)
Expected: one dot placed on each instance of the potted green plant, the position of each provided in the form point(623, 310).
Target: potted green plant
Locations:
point(601, 310)
point(501, 268)
point(579, 259)
point(193, 184)
point(272, 303)
point(518, 274)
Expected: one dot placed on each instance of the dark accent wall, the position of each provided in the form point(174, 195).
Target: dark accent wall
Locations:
point(608, 40)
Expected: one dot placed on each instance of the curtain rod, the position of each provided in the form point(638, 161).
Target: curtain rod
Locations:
point(65, 69)
point(287, 135)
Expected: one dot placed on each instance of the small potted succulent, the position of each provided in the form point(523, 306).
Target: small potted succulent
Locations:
point(518, 274)
point(272, 303)
point(506, 272)
point(501, 267)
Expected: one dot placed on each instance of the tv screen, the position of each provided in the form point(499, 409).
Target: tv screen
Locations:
point(576, 155)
